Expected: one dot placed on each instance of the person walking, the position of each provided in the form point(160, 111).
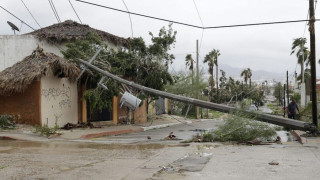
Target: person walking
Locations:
point(291, 109)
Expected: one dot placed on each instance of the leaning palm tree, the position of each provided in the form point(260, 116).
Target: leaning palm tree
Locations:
point(209, 58)
point(249, 75)
point(245, 75)
point(302, 53)
point(216, 55)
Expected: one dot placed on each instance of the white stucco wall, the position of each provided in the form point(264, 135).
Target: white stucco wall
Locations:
point(59, 101)
point(13, 48)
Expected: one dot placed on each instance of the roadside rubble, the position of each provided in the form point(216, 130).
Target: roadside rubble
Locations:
point(69, 126)
point(171, 136)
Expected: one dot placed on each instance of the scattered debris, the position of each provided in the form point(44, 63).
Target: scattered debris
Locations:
point(171, 136)
point(197, 138)
point(69, 126)
point(273, 163)
point(179, 145)
point(198, 130)
point(278, 140)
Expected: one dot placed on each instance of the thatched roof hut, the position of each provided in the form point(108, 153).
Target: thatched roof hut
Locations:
point(70, 30)
point(18, 77)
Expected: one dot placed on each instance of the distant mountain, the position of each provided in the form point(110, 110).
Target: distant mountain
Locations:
point(256, 75)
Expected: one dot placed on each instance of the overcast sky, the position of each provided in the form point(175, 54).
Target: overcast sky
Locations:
point(258, 47)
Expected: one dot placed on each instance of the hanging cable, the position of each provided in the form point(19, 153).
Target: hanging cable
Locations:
point(30, 13)
point(75, 11)
point(17, 18)
point(129, 17)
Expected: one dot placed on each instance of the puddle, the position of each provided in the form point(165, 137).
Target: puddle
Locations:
point(12, 146)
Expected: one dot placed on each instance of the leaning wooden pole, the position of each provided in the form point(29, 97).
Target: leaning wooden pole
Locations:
point(313, 63)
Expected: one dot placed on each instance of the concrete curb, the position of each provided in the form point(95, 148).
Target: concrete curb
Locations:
point(297, 134)
point(8, 138)
point(110, 133)
point(127, 131)
point(164, 125)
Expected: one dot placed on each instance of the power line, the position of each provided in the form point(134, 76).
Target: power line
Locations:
point(129, 17)
point(75, 11)
point(137, 14)
point(54, 11)
point(195, 26)
point(18, 18)
point(30, 13)
point(195, 5)
point(31, 27)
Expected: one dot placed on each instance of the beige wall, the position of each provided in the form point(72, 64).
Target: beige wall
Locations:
point(59, 101)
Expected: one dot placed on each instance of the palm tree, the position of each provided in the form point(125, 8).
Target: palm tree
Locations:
point(216, 55)
point(249, 75)
point(189, 63)
point(209, 58)
point(302, 53)
point(245, 75)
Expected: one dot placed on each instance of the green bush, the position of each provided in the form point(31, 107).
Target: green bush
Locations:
point(6, 122)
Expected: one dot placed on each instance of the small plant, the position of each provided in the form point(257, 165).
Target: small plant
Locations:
point(45, 130)
point(6, 122)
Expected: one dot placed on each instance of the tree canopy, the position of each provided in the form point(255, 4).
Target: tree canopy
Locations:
point(145, 64)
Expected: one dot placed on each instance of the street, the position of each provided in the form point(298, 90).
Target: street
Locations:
point(134, 156)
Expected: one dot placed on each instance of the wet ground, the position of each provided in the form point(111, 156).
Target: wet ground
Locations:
point(183, 132)
point(134, 156)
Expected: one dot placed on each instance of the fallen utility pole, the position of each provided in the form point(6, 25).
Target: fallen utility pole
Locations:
point(294, 124)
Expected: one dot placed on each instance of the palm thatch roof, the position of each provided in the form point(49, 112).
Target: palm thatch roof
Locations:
point(17, 78)
point(70, 30)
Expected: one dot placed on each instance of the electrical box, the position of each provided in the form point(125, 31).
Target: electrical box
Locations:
point(130, 101)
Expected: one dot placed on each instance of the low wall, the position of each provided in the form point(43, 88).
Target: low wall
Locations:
point(26, 107)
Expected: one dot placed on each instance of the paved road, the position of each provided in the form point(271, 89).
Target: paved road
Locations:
point(133, 156)
point(181, 131)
